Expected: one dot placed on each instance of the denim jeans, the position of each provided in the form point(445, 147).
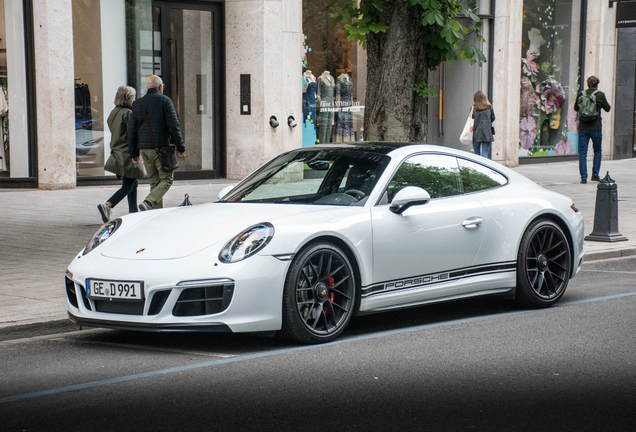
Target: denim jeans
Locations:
point(129, 189)
point(482, 148)
point(584, 140)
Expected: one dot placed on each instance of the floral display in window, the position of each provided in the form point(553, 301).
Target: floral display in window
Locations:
point(549, 78)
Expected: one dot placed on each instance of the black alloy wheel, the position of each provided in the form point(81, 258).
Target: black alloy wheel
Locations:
point(543, 265)
point(319, 296)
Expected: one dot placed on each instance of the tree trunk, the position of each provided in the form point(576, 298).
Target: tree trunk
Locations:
point(396, 61)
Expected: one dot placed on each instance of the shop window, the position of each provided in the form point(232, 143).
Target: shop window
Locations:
point(14, 119)
point(123, 42)
point(334, 78)
point(99, 46)
point(550, 68)
point(4, 106)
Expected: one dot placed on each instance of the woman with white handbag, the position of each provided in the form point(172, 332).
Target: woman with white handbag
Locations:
point(483, 131)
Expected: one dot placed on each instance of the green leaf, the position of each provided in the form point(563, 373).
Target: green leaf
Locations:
point(439, 18)
point(423, 90)
point(472, 16)
point(379, 27)
point(430, 17)
point(378, 5)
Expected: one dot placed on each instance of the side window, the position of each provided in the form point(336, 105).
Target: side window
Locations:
point(437, 174)
point(476, 177)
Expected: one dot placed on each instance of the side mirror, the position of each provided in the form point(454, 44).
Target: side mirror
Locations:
point(408, 197)
point(226, 190)
point(318, 165)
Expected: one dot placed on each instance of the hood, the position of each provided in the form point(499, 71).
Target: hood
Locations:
point(182, 231)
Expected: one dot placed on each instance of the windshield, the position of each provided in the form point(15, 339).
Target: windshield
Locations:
point(321, 176)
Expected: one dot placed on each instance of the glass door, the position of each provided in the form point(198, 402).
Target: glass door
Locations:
point(189, 62)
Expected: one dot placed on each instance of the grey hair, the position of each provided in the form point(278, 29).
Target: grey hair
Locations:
point(125, 96)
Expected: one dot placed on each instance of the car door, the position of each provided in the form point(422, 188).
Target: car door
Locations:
point(497, 253)
point(415, 253)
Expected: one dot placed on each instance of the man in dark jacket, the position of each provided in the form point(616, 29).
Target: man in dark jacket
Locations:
point(162, 119)
point(591, 130)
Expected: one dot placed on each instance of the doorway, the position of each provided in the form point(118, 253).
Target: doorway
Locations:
point(188, 56)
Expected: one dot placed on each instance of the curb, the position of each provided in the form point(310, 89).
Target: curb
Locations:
point(618, 253)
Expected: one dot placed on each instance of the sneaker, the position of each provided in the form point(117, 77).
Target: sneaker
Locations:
point(595, 178)
point(583, 181)
point(104, 210)
point(145, 206)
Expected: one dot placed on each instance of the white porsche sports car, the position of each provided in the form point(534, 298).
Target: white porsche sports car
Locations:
point(323, 233)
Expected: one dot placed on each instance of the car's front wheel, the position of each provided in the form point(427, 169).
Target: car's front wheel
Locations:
point(319, 295)
point(543, 265)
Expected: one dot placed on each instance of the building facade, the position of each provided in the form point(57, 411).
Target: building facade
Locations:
point(251, 79)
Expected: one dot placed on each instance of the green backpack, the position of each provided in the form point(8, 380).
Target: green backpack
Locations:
point(587, 107)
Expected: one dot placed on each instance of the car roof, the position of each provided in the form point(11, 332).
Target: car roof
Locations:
point(392, 148)
point(399, 150)
point(369, 146)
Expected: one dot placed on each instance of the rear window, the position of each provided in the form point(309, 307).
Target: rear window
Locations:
point(477, 177)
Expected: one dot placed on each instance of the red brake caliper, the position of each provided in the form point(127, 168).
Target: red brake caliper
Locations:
point(332, 296)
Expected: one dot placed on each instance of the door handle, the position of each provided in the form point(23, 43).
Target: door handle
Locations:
point(472, 222)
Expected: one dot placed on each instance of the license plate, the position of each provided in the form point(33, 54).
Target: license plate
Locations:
point(113, 289)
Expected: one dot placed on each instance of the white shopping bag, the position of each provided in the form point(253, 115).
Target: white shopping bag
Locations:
point(467, 134)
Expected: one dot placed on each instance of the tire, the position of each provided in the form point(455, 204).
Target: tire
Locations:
point(320, 295)
point(543, 265)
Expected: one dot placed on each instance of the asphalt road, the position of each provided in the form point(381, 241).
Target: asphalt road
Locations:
point(477, 365)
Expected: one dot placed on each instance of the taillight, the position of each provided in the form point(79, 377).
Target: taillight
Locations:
point(573, 207)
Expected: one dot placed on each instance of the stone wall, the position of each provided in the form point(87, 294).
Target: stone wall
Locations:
point(53, 32)
point(263, 39)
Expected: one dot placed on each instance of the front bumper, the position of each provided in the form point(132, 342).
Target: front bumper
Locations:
point(195, 293)
point(123, 325)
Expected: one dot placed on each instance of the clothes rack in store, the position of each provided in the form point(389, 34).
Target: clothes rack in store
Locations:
point(83, 109)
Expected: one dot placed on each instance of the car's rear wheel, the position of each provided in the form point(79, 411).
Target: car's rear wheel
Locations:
point(543, 265)
point(320, 294)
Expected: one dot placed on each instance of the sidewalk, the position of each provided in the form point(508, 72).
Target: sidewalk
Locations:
point(41, 231)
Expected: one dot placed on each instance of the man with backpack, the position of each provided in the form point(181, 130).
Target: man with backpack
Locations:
point(588, 104)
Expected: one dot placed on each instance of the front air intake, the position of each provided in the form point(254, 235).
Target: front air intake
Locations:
point(204, 300)
point(71, 294)
point(158, 301)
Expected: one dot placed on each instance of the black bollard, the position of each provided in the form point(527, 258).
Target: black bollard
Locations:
point(606, 213)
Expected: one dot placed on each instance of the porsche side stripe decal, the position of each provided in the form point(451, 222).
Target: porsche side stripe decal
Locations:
point(437, 278)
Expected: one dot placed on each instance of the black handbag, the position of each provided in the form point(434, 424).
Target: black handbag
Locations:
point(168, 153)
point(168, 157)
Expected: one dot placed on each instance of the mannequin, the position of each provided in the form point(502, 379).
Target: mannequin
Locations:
point(344, 117)
point(309, 108)
point(325, 91)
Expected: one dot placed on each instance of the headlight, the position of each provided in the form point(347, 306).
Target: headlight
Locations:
point(102, 234)
point(247, 243)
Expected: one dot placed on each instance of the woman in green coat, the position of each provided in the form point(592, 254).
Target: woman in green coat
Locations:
point(119, 161)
